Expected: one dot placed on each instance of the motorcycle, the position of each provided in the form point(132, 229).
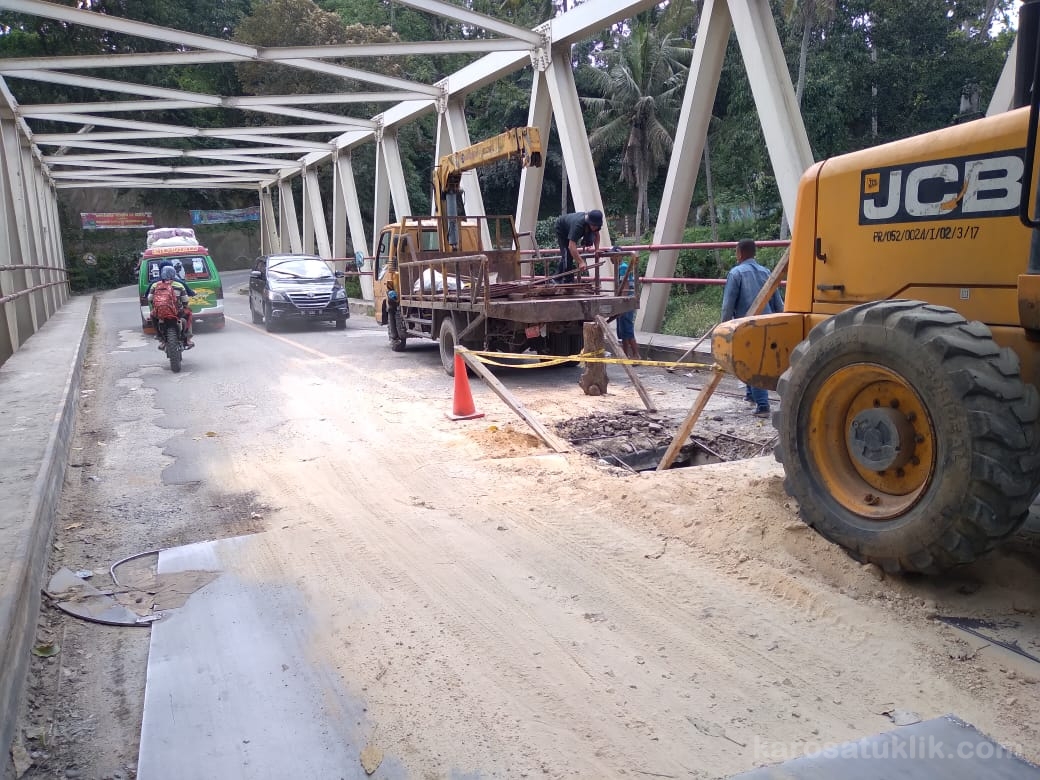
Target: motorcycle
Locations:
point(173, 339)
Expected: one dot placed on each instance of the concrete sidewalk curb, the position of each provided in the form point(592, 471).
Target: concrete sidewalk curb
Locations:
point(32, 471)
point(361, 308)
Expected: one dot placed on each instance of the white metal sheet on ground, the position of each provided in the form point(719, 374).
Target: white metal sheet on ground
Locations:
point(233, 688)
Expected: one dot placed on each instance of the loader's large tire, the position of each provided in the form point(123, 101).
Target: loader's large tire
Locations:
point(908, 435)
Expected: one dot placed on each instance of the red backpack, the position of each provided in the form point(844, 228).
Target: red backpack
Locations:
point(164, 300)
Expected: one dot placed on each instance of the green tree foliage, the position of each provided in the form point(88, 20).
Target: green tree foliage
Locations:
point(874, 71)
point(633, 100)
point(304, 23)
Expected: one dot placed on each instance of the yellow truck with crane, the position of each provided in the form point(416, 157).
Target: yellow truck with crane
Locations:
point(907, 358)
point(462, 279)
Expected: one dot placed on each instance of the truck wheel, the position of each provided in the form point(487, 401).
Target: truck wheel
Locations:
point(448, 339)
point(908, 435)
point(566, 344)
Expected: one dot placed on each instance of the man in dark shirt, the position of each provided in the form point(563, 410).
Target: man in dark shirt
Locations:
point(574, 231)
point(743, 283)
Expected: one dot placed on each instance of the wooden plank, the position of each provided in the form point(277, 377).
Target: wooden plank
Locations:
point(615, 347)
point(691, 419)
point(693, 349)
point(555, 443)
point(702, 400)
point(770, 286)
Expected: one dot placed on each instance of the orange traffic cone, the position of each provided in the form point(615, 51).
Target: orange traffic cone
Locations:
point(462, 407)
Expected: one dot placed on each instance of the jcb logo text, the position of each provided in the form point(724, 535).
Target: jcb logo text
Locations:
point(954, 188)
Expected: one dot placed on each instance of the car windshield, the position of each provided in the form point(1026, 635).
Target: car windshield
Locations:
point(309, 268)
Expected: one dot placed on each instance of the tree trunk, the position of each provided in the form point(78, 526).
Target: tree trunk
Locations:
point(712, 216)
point(803, 57)
point(594, 378)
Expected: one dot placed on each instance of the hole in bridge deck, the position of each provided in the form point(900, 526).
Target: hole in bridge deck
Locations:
point(636, 440)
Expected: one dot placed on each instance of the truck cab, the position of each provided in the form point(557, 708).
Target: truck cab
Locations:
point(421, 239)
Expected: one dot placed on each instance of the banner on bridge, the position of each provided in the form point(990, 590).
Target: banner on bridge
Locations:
point(250, 214)
point(111, 220)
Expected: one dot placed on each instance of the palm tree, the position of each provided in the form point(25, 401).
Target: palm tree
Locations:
point(635, 105)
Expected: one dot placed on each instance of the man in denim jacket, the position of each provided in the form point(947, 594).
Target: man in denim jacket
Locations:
point(743, 283)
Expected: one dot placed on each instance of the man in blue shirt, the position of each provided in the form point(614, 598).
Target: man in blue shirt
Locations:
point(743, 283)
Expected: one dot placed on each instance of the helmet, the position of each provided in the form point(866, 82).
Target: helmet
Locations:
point(594, 218)
point(178, 267)
point(168, 274)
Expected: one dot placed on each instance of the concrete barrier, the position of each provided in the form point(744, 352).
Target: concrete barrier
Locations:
point(39, 393)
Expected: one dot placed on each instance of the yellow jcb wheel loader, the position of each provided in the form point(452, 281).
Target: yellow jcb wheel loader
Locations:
point(907, 358)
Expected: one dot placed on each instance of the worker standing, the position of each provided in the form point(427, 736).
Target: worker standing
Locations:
point(573, 231)
point(626, 322)
point(743, 283)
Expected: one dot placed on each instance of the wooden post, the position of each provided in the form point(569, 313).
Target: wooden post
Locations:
point(692, 349)
point(615, 347)
point(691, 419)
point(702, 400)
point(594, 378)
point(554, 442)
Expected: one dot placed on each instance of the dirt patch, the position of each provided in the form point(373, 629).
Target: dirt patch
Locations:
point(505, 441)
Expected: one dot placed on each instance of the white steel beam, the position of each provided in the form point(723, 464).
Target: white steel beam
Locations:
point(442, 147)
point(313, 205)
point(381, 197)
point(9, 340)
point(19, 311)
point(709, 53)
point(290, 228)
point(359, 75)
point(193, 99)
point(577, 155)
point(161, 184)
point(128, 27)
point(269, 242)
point(531, 179)
point(463, 14)
point(395, 174)
point(251, 134)
point(276, 54)
point(37, 255)
point(1004, 93)
point(348, 200)
point(30, 109)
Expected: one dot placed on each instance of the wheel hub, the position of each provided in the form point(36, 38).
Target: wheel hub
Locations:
point(880, 439)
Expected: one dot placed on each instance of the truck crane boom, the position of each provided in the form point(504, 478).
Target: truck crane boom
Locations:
point(523, 143)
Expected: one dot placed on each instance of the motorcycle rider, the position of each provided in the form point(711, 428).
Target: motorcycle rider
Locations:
point(168, 275)
point(179, 270)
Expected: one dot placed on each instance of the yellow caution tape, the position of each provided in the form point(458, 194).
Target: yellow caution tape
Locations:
point(547, 361)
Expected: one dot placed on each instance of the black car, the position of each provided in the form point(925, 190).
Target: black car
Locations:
point(296, 287)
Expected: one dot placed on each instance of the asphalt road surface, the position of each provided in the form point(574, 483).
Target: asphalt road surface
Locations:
point(495, 609)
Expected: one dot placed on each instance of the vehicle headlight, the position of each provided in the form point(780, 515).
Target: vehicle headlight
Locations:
point(274, 295)
point(339, 294)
